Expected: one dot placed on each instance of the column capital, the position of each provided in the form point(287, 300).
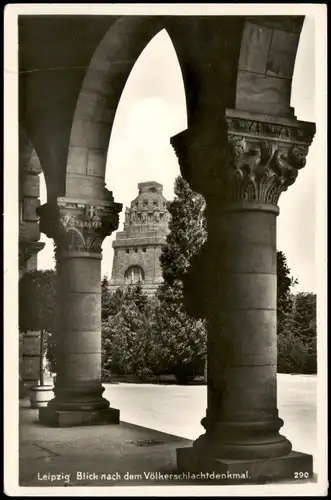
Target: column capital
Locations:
point(79, 225)
point(27, 249)
point(244, 157)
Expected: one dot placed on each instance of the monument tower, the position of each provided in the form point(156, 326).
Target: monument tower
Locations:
point(137, 249)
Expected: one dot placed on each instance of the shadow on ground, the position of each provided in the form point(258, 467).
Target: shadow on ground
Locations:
point(101, 455)
point(94, 455)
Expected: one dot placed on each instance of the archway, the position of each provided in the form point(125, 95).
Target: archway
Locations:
point(89, 209)
point(95, 111)
point(134, 275)
point(242, 149)
point(151, 109)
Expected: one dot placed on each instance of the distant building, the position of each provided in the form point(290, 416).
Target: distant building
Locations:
point(137, 249)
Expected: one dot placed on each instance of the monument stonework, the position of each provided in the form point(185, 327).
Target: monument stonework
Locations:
point(137, 249)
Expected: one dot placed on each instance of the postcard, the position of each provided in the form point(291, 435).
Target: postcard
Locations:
point(165, 250)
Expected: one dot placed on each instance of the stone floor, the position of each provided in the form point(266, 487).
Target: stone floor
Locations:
point(176, 409)
point(113, 450)
point(155, 420)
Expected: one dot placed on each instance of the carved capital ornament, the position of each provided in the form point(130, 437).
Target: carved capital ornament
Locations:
point(245, 158)
point(77, 226)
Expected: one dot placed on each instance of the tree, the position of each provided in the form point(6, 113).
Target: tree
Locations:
point(140, 335)
point(105, 298)
point(304, 316)
point(285, 283)
point(297, 336)
point(304, 313)
point(292, 351)
point(37, 306)
point(126, 333)
point(179, 341)
point(187, 234)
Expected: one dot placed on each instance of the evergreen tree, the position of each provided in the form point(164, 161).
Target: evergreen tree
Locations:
point(179, 341)
point(37, 311)
point(110, 301)
point(304, 316)
point(105, 298)
point(285, 283)
point(292, 351)
point(304, 313)
point(187, 231)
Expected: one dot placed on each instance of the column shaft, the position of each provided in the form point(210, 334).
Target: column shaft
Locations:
point(78, 381)
point(78, 230)
point(242, 417)
point(241, 164)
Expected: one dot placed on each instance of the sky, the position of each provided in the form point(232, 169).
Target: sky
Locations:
point(152, 108)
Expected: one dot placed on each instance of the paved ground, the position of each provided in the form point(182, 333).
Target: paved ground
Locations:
point(79, 456)
point(155, 420)
point(178, 409)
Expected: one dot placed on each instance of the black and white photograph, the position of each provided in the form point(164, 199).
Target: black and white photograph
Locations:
point(165, 258)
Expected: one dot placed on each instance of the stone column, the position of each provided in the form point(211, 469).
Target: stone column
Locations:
point(78, 230)
point(241, 167)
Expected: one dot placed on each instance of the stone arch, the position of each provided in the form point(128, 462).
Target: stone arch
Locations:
point(266, 63)
point(212, 83)
point(109, 69)
point(134, 274)
point(30, 164)
point(28, 158)
point(29, 200)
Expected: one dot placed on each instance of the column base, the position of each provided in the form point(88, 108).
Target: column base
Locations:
point(293, 466)
point(59, 418)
